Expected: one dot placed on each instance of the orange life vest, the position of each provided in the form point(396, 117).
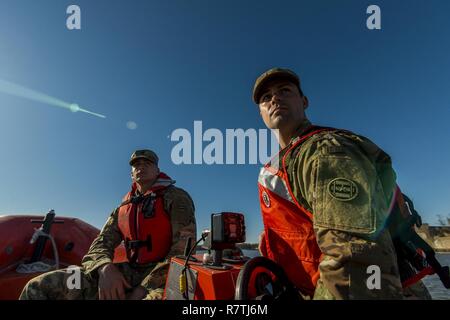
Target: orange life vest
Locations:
point(145, 226)
point(289, 238)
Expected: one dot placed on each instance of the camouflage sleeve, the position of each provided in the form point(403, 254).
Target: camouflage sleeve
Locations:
point(102, 248)
point(180, 207)
point(349, 205)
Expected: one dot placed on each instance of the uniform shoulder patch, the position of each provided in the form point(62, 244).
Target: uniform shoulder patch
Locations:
point(342, 189)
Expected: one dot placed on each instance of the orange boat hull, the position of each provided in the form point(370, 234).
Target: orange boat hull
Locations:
point(73, 239)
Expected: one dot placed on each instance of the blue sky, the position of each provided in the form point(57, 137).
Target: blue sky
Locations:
point(165, 64)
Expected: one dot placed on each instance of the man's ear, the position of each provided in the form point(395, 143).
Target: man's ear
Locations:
point(305, 102)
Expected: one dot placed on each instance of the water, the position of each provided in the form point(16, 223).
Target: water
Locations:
point(251, 253)
point(433, 283)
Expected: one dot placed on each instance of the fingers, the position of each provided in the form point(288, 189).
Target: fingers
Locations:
point(120, 289)
point(120, 293)
point(113, 288)
point(125, 283)
point(104, 294)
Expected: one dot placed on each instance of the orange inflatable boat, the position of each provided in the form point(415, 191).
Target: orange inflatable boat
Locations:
point(25, 248)
point(31, 245)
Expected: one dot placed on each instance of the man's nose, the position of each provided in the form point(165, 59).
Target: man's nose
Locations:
point(276, 96)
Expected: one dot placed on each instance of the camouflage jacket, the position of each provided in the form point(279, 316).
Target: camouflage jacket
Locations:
point(179, 205)
point(349, 227)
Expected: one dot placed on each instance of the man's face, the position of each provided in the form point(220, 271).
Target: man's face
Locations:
point(144, 171)
point(281, 105)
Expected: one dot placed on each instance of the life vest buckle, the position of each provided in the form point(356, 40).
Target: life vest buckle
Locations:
point(137, 244)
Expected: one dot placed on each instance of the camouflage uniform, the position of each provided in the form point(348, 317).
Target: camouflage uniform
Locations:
point(350, 233)
point(52, 285)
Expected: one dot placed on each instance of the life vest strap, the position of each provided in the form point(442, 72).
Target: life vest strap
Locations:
point(418, 276)
point(137, 244)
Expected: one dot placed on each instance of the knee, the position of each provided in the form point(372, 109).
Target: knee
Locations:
point(31, 290)
point(42, 286)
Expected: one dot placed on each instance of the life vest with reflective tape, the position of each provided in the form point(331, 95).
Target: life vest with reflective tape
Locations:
point(289, 237)
point(144, 224)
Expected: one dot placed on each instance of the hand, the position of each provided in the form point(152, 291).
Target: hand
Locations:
point(138, 293)
point(111, 283)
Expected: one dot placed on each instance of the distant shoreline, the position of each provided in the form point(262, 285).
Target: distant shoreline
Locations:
point(247, 246)
point(254, 246)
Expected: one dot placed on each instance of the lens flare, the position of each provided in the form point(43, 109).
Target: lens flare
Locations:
point(23, 92)
point(131, 125)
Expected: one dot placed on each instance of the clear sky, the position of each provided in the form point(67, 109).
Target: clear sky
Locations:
point(165, 64)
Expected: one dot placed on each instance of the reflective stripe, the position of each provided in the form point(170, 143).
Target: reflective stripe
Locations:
point(163, 183)
point(274, 183)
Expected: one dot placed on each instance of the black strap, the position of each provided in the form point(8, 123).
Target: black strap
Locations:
point(136, 199)
point(137, 244)
point(407, 241)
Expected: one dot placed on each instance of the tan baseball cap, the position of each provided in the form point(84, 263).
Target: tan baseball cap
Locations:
point(144, 154)
point(274, 73)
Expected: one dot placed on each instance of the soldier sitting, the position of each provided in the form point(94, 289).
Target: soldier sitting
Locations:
point(324, 200)
point(154, 221)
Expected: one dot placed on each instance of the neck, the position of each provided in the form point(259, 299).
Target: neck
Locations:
point(286, 134)
point(284, 137)
point(144, 187)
